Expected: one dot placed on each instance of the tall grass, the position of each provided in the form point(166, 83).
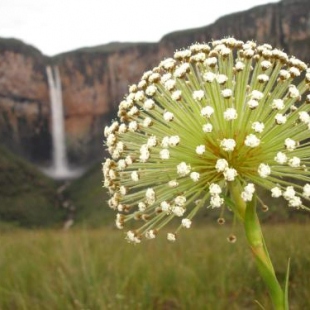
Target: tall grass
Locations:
point(97, 269)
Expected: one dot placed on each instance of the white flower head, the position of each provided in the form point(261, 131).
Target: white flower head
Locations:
point(165, 141)
point(150, 234)
point(248, 192)
point(228, 145)
point(209, 77)
point(151, 142)
point(213, 124)
point(280, 119)
point(251, 141)
point(227, 93)
point(265, 64)
point(149, 104)
point(173, 183)
point(151, 90)
point(133, 126)
point(284, 74)
point(246, 196)
point(277, 104)
point(230, 174)
point(290, 144)
point(276, 192)
point(239, 65)
point(215, 189)
point(170, 84)
point(198, 95)
point(230, 114)
point(293, 91)
point(147, 122)
point(176, 95)
point(178, 211)
point(294, 162)
point(252, 104)
point(181, 70)
point(165, 206)
point(186, 223)
point(132, 238)
point(171, 237)
point(295, 202)
point(304, 117)
point(221, 79)
point(280, 158)
point(263, 78)
point(150, 196)
point(200, 149)
point(141, 206)
point(264, 170)
point(195, 176)
point(164, 154)
point(207, 111)
point(144, 153)
point(183, 169)
point(180, 200)
point(221, 165)
point(211, 62)
point(173, 141)
point(306, 190)
point(135, 176)
point(258, 127)
point(216, 201)
point(207, 128)
point(289, 193)
point(168, 116)
point(257, 95)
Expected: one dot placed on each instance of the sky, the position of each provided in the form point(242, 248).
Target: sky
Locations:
point(56, 26)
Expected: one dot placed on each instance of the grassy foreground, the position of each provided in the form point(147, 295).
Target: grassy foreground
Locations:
point(97, 269)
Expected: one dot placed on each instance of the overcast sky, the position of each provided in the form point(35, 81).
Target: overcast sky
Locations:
point(56, 26)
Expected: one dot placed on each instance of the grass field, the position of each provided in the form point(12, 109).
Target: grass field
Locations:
point(97, 269)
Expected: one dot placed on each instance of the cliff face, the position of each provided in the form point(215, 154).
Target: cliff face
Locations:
point(94, 80)
point(285, 24)
point(24, 101)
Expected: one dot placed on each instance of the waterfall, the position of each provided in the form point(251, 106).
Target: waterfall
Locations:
point(60, 168)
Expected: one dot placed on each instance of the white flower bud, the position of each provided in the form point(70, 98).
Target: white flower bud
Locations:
point(230, 114)
point(207, 111)
point(228, 145)
point(230, 174)
point(276, 192)
point(183, 169)
point(186, 223)
point(251, 141)
point(264, 170)
point(195, 176)
point(200, 149)
point(221, 165)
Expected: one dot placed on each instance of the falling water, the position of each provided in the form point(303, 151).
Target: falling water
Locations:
point(60, 168)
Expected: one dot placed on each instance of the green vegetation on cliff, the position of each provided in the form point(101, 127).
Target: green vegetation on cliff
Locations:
point(27, 197)
point(90, 199)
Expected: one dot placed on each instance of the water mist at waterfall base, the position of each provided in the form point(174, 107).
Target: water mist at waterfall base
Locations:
point(60, 169)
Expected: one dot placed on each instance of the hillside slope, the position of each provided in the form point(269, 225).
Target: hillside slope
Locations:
point(27, 197)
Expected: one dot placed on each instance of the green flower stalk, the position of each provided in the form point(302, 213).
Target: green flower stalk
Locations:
point(207, 128)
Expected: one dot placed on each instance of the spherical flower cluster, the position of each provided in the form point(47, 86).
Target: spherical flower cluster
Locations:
point(213, 115)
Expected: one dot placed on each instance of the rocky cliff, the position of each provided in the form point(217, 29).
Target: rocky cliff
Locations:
point(95, 79)
point(24, 101)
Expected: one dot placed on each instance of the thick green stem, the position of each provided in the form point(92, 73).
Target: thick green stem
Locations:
point(247, 214)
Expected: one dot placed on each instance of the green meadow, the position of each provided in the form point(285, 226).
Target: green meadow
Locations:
point(92, 267)
point(97, 269)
